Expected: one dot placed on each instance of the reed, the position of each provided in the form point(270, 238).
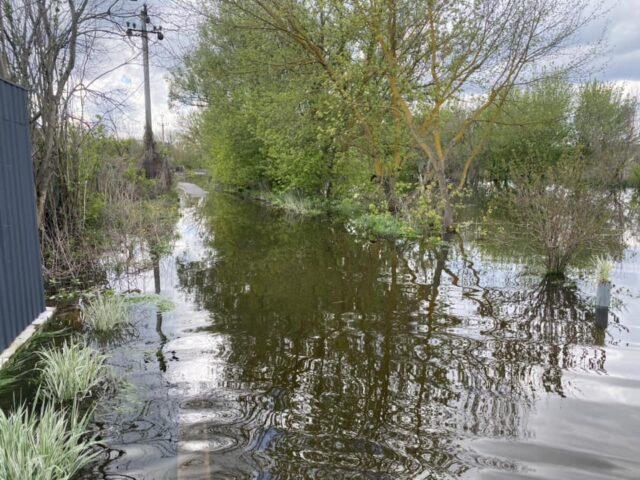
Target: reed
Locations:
point(106, 314)
point(44, 443)
point(72, 372)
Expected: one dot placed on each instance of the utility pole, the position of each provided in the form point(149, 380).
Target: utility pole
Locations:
point(148, 132)
point(152, 162)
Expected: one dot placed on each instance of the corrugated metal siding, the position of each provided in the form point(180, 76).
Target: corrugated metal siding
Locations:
point(21, 289)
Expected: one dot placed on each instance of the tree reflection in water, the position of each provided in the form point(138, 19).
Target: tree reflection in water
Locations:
point(379, 357)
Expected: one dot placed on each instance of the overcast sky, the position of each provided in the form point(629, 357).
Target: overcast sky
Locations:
point(620, 63)
point(123, 57)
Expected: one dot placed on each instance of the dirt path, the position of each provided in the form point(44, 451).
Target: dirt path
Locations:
point(191, 189)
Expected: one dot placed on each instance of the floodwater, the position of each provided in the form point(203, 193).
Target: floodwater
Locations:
point(297, 350)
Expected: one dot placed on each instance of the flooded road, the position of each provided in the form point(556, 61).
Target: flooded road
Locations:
point(297, 350)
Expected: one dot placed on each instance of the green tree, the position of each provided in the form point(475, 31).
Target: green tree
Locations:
point(531, 131)
point(605, 128)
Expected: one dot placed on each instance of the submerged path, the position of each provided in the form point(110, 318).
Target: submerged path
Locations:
point(191, 189)
point(296, 350)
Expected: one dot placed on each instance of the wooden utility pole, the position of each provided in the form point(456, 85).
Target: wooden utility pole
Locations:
point(152, 162)
point(148, 132)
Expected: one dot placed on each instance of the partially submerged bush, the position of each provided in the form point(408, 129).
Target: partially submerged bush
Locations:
point(106, 313)
point(45, 444)
point(72, 372)
point(559, 214)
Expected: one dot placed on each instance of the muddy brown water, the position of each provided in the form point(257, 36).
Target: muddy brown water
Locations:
point(297, 350)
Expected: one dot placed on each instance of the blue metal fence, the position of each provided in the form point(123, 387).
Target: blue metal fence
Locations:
point(21, 286)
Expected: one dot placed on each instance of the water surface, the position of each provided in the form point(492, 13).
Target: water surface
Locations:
point(298, 350)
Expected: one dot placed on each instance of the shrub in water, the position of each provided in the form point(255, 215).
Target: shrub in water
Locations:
point(45, 444)
point(106, 314)
point(72, 372)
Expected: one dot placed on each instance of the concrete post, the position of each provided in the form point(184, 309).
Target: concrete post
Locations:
point(603, 299)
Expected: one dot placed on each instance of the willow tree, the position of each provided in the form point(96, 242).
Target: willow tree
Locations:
point(46, 46)
point(432, 54)
point(479, 49)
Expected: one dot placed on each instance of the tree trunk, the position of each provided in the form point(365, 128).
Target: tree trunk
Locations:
point(389, 188)
point(445, 198)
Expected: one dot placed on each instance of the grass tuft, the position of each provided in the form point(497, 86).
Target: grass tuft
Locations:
point(293, 203)
point(44, 444)
point(106, 314)
point(603, 267)
point(72, 372)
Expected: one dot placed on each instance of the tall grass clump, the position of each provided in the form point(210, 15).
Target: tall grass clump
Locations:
point(72, 372)
point(298, 205)
point(106, 314)
point(603, 267)
point(292, 203)
point(43, 444)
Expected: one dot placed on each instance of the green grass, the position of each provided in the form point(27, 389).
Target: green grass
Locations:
point(298, 205)
point(385, 225)
point(292, 203)
point(72, 372)
point(162, 304)
point(106, 314)
point(43, 444)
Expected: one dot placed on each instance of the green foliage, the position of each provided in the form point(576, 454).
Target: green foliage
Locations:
point(72, 372)
point(105, 203)
point(606, 130)
point(280, 127)
point(532, 132)
point(426, 216)
point(347, 208)
point(43, 444)
point(386, 225)
point(320, 108)
point(162, 304)
point(538, 124)
point(556, 213)
point(634, 177)
point(106, 313)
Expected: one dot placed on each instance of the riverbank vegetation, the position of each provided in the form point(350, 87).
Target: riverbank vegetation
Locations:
point(92, 194)
point(57, 378)
point(396, 110)
point(111, 211)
